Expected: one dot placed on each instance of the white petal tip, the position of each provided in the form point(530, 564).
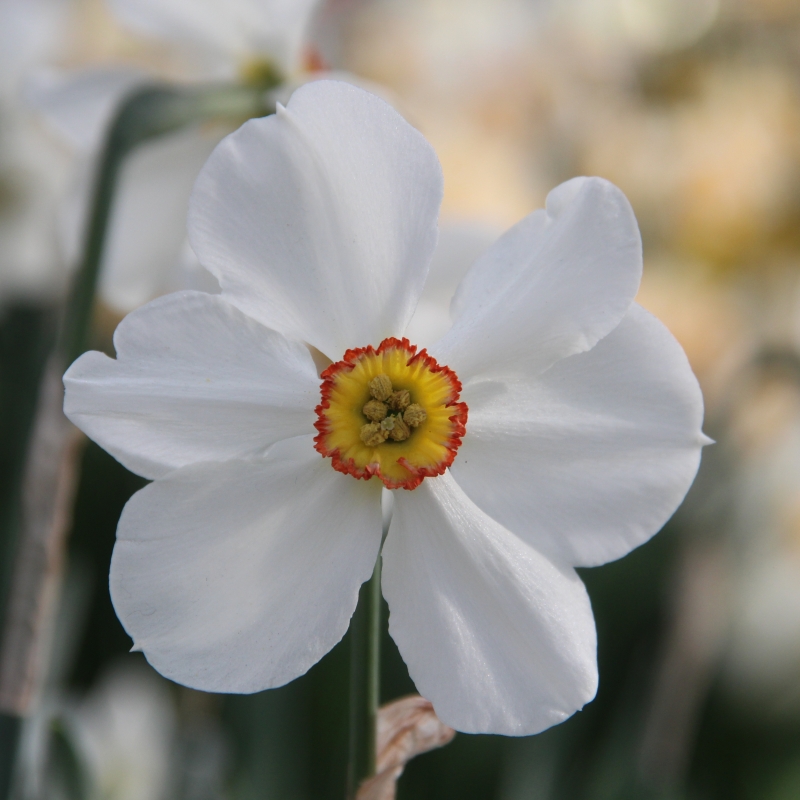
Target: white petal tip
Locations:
point(136, 649)
point(706, 440)
point(560, 197)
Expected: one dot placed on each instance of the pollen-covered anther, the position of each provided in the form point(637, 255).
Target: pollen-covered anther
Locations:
point(399, 431)
point(415, 415)
point(380, 387)
point(399, 400)
point(373, 434)
point(391, 413)
point(375, 410)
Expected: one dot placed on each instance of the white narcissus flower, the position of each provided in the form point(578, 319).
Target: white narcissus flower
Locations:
point(556, 424)
point(226, 36)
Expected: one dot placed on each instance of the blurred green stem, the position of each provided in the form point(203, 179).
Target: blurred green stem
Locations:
point(9, 735)
point(65, 771)
point(365, 660)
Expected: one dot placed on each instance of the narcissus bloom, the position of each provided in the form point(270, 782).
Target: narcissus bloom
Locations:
point(556, 424)
point(225, 37)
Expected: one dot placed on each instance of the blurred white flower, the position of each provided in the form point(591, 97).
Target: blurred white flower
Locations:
point(145, 250)
point(33, 168)
point(643, 25)
point(761, 661)
point(239, 566)
point(124, 730)
point(226, 36)
point(146, 254)
point(121, 736)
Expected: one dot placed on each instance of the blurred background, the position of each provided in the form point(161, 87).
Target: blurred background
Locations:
point(692, 107)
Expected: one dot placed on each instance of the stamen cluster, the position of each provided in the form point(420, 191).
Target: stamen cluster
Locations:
point(391, 413)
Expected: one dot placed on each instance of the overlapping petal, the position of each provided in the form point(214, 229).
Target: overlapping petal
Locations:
point(494, 634)
point(459, 246)
point(238, 577)
point(552, 286)
point(320, 221)
point(194, 380)
point(591, 458)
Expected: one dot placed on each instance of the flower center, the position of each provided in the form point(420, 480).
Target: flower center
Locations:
point(260, 73)
point(390, 412)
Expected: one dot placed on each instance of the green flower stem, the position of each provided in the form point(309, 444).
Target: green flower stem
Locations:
point(9, 736)
point(365, 661)
point(43, 519)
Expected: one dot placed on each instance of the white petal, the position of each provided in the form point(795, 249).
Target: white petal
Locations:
point(459, 246)
point(80, 105)
point(590, 459)
point(194, 380)
point(554, 285)
point(191, 274)
point(36, 172)
point(31, 33)
point(494, 634)
point(148, 224)
point(236, 29)
point(238, 577)
point(320, 221)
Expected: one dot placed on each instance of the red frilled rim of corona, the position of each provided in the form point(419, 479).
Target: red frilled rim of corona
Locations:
point(431, 446)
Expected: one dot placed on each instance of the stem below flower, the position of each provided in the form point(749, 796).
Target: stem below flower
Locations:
point(365, 660)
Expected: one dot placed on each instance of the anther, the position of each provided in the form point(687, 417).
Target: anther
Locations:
point(400, 431)
point(380, 387)
point(415, 415)
point(372, 434)
point(374, 410)
point(399, 400)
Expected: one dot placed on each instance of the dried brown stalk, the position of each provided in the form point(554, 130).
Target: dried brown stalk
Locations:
point(49, 485)
point(406, 728)
point(686, 666)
